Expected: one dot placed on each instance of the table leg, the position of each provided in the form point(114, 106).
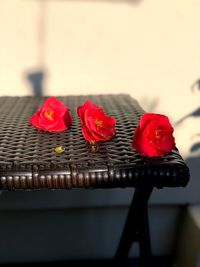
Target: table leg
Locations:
point(136, 228)
point(144, 241)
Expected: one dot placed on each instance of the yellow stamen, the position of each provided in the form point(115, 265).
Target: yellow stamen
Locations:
point(49, 114)
point(99, 123)
point(158, 134)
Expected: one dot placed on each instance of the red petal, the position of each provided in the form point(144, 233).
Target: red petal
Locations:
point(87, 134)
point(59, 127)
point(34, 119)
point(144, 139)
point(67, 119)
point(89, 113)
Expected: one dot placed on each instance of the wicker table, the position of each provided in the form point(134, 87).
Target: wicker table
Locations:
point(28, 160)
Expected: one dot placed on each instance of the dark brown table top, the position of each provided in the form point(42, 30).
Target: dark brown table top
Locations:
point(28, 159)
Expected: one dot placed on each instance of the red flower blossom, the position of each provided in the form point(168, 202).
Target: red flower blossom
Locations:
point(153, 136)
point(96, 125)
point(52, 116)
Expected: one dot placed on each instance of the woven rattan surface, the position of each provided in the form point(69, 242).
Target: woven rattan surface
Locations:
point(28, 159)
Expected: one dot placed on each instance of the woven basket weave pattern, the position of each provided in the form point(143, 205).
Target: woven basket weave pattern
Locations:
point(28, 159)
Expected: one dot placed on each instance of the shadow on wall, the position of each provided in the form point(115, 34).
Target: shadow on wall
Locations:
point(36, 79)
point(150, 104)
point(196, 113)
point(193, 160)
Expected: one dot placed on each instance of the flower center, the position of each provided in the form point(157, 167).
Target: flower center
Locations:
point(99, 123)
point(49, 114)
point(158, 133)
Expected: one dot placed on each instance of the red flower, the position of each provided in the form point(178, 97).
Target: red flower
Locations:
point(154, 135)
point(53, 116)
point(96, 125)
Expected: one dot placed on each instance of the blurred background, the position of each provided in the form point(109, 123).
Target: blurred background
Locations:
point(149, 49)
